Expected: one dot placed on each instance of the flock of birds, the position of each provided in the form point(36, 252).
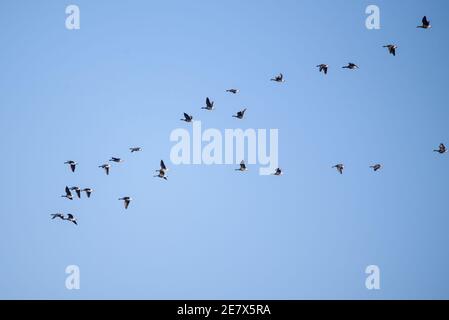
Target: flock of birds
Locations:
point(162, 171)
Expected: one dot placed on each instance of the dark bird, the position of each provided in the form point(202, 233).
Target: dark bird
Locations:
point(71, 218)
point(323, 67)
point(242, 166)
point(391, 48)
point(135, 149)
point(240, 114)
point(279, 78)
point(57, 215)
point(351, 66)
point(425, 23)
point(126, 200)
point(278, 172)
point(234, 91)
point(340, 167)
point(68, 194)
point(88, 191)
point(441, 149)
point(77, 190)
point(117, 160)
point(105, 167)
point(376, 167)
point(187, 118)
point(72, 164)
point(162, 171)
point(209, 105)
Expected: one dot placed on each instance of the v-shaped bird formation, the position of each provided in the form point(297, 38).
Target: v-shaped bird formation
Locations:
point(161, 172)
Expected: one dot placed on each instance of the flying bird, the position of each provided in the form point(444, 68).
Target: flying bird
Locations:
point(351, 66)
point(135, 149)
point(242, 166)
point(61, 216)
point(425, 23)
point(117, 160)
point(278, 78)
point(72, 164)
point(340, 167)
point(376, 167)
point(209, 105)
point(323, 67)
point(240, 114)
point(441, 149)
point(234, 91)
point(106, 167)
point(71, 218)
point(187, 118)
point(68, 194)
point(126, 201)
point(162, 171)
point(278, 172)
point(88, 191)
point(391, 48)
point(77, 190)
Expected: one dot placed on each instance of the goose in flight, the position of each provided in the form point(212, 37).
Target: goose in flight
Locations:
point(135, 149)
point(278, 78)
point(425, 23)
point(233, 91)
point(57, 215)
point(340, 167)
point(391, 48)
point(126, 201)
point(187, 118)
point(77, 190)
point(71, 218)
point(351, 66)
point(68, 194)
point(278, 172)
point(209, 105)
point(61, 216)
point(162, 171)
point(240, 114)
point(106, 167)
point(376, 167)
point(323, 67)
point(88, 191)
point(117, 160)
point(72, 164)
point(242, 166)
point(441, 149)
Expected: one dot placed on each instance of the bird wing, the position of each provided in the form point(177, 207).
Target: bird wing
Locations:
point(67, 191)
point(69, 216)
point(72, 166)
point(163, 167)
point(186, 116)
point(107, 170)
point(425, 21)
point(126, 204)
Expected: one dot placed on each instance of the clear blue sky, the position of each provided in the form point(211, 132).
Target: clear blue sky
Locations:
point(126, 77)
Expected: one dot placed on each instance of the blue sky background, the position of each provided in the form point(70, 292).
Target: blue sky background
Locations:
point(126, 77)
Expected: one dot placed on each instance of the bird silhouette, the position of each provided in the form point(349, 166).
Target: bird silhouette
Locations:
point(323, 67)
point(126, 201)
point(72, 164)
point(240, 114)
point(425, 24)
